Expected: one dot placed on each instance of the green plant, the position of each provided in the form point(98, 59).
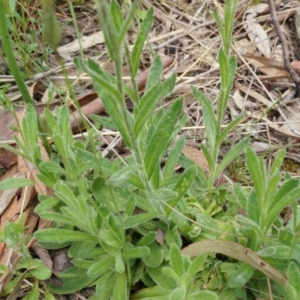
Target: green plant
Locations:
point(111, 213)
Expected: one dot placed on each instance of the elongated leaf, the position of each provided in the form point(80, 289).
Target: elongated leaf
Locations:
point(46, 204)
point(58, 218)
point(208, 117)
point(241, 197)
point(271, 190)
point(150, 101)
point(110, 96)
point(121, 176)
point(136, 220)
point(34, 294)
point(155, 73)
point(293, 274)
point(137, 252)
point(181, 187)
point(233, 153)
point(176, 260)
point(289, 198)
point(140, 40)
point(51, 30)
point(74, 279)
point(173, 157)
point(121, 288)
point(161, 138)
point(194, 268)
point(229, 128)
point(30, 127)
point(105, 263)
point(276, 165)
point(211, 161)
point(169, 272)
point(161, 279)
point(57, 235)
point(258, 175)
point(15, 183)
point(178, 294)
point(116, 15)
point(147, 239)
point(241, 276)
point(14, 150)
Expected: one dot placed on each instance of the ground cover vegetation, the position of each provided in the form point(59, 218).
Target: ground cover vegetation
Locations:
point(145, 216)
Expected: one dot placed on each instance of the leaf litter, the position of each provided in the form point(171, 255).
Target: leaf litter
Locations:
point(186, 37)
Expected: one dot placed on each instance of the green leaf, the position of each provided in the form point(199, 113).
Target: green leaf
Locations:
point(293, 274)
point(229, 128)
point(51, 29)
point(173, 157)
point(30, 127)
point(121, 288)
point(46, 204)
point(161, 279)
point(122, 175)
point(204, 295)
point(176, 260)
point(107, 291)
point(208, 117)
point(51, 167)
point(155, 257)
point(109, 238)
point(137, 252)
point(272, 187)
point(149, 102)
point(34, 294)
point(116, 15)
point(39, 270)
point(232, 154)
point(181, 187)
point(155, 74)
point(74, 279)
point(140, 40)
point(147, 239)
point(196, 265)
point(241, 276)
point(119, 264)
point(133, 221)
point(178, 294)
point(15, 183)
point(257, 171)
point(276, 165)
point(57, 235)
point(110, 96)
point(105, 263)
point(161, 138)
point(286, 195)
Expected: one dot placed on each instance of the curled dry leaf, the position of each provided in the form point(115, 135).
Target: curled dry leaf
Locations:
point(85, 42)
point(237, 252)
point(255, 31)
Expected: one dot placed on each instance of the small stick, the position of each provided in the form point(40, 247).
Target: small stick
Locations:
point(292, 72)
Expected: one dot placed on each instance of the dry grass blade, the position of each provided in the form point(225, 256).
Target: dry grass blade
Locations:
point(238, 252)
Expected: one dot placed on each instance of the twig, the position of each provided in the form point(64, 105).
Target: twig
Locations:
point(292, 72)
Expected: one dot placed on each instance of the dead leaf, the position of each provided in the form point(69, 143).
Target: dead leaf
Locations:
point(85, 43)
point(237, 252)
point(198, 157)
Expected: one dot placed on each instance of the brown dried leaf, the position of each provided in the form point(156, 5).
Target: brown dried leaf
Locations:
point(197, 156)
point(237, 252)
